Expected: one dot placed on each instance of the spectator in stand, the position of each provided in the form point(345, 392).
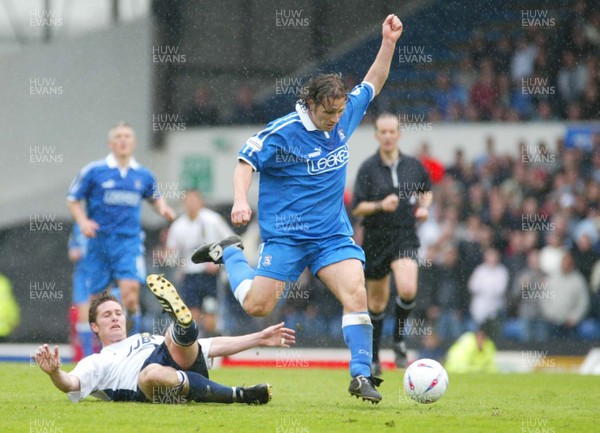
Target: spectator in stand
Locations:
point(583, 255)
point(446, 94)
point(571, 78)
point(245, 111)
point(574, 112)
point(490, 151)
point(503, 55)
point(487, 285)
point(579, 45)
point(202, 111)
point(465, 76)
point(590, 106)
point(529, 290)
point(483, 93)
point(521, 65)
point(434, 168)
point(516, 254)
point(544, 112)
point(458, 168)
point(479, 48)
point(447, 295)
point(504, 90)
point(591, 29)
point(551, 255)
point(569, 298)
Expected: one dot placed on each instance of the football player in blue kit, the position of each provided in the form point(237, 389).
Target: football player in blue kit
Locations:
point(153, 368)
point(113, 190)
point(302, 159)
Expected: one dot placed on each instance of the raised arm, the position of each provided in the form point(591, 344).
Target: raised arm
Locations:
point(379, 70)
point(49, 362)
point(273, 336)
point(242, 178)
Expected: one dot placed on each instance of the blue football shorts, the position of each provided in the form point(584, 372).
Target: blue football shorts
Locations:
point(115, 257)
point(285, 262)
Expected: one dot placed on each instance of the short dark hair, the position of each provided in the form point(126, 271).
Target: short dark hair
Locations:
point(323, 87)
point(96, 301)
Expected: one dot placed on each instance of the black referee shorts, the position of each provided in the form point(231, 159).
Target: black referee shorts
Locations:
point(382, 248)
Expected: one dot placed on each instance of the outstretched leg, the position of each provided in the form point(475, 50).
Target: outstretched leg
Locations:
point(166, 384)
point(258, 295)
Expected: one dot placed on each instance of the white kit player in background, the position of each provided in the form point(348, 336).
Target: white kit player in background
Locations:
point(196, 226)
point(162, 369)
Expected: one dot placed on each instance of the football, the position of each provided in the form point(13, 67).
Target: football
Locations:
point(425, 381)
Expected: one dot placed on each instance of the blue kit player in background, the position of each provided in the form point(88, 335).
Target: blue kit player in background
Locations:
point(302, 158)
point(113, 189)
point(83, 341)
point(82, 344)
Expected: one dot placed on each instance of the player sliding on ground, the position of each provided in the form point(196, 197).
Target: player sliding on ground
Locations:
point(151, 368)
point(302, 158)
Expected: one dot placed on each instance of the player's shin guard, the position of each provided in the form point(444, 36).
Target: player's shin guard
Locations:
point(358, 335)
point(403, 309)
point(205, 390)
point(184, 336)
point(377, 322)
point(239, 271)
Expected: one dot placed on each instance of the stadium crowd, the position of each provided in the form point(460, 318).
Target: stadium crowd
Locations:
point(517, 77)
point(511, 240)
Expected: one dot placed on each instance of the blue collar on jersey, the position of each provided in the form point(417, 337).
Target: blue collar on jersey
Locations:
point(305, 118)
point(111, 161)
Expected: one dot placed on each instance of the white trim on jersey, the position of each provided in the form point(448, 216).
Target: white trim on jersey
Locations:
point(372, 89)
point(241, 158)
point(77, 181)
point(255, 143)
point(305, 118)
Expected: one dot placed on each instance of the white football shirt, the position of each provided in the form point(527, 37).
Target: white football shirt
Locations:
point(113, 373)
point(185, 235)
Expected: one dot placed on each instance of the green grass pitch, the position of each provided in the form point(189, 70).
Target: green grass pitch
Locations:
point(310, 400)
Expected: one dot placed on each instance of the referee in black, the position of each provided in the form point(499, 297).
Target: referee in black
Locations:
point(392, 191)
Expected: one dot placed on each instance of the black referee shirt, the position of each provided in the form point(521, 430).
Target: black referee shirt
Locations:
point(376, 180)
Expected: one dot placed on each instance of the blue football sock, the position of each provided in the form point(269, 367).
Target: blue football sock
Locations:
point(184, 336)
point(239, 272)
point(86, 338)
point(205, 390)
point(358, 335)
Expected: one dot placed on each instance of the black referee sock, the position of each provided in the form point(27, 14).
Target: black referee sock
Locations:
point(377, 322)
point(403, 309)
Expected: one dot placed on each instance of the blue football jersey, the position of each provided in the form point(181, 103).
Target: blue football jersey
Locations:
point(303, 172)
point(113, 195)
